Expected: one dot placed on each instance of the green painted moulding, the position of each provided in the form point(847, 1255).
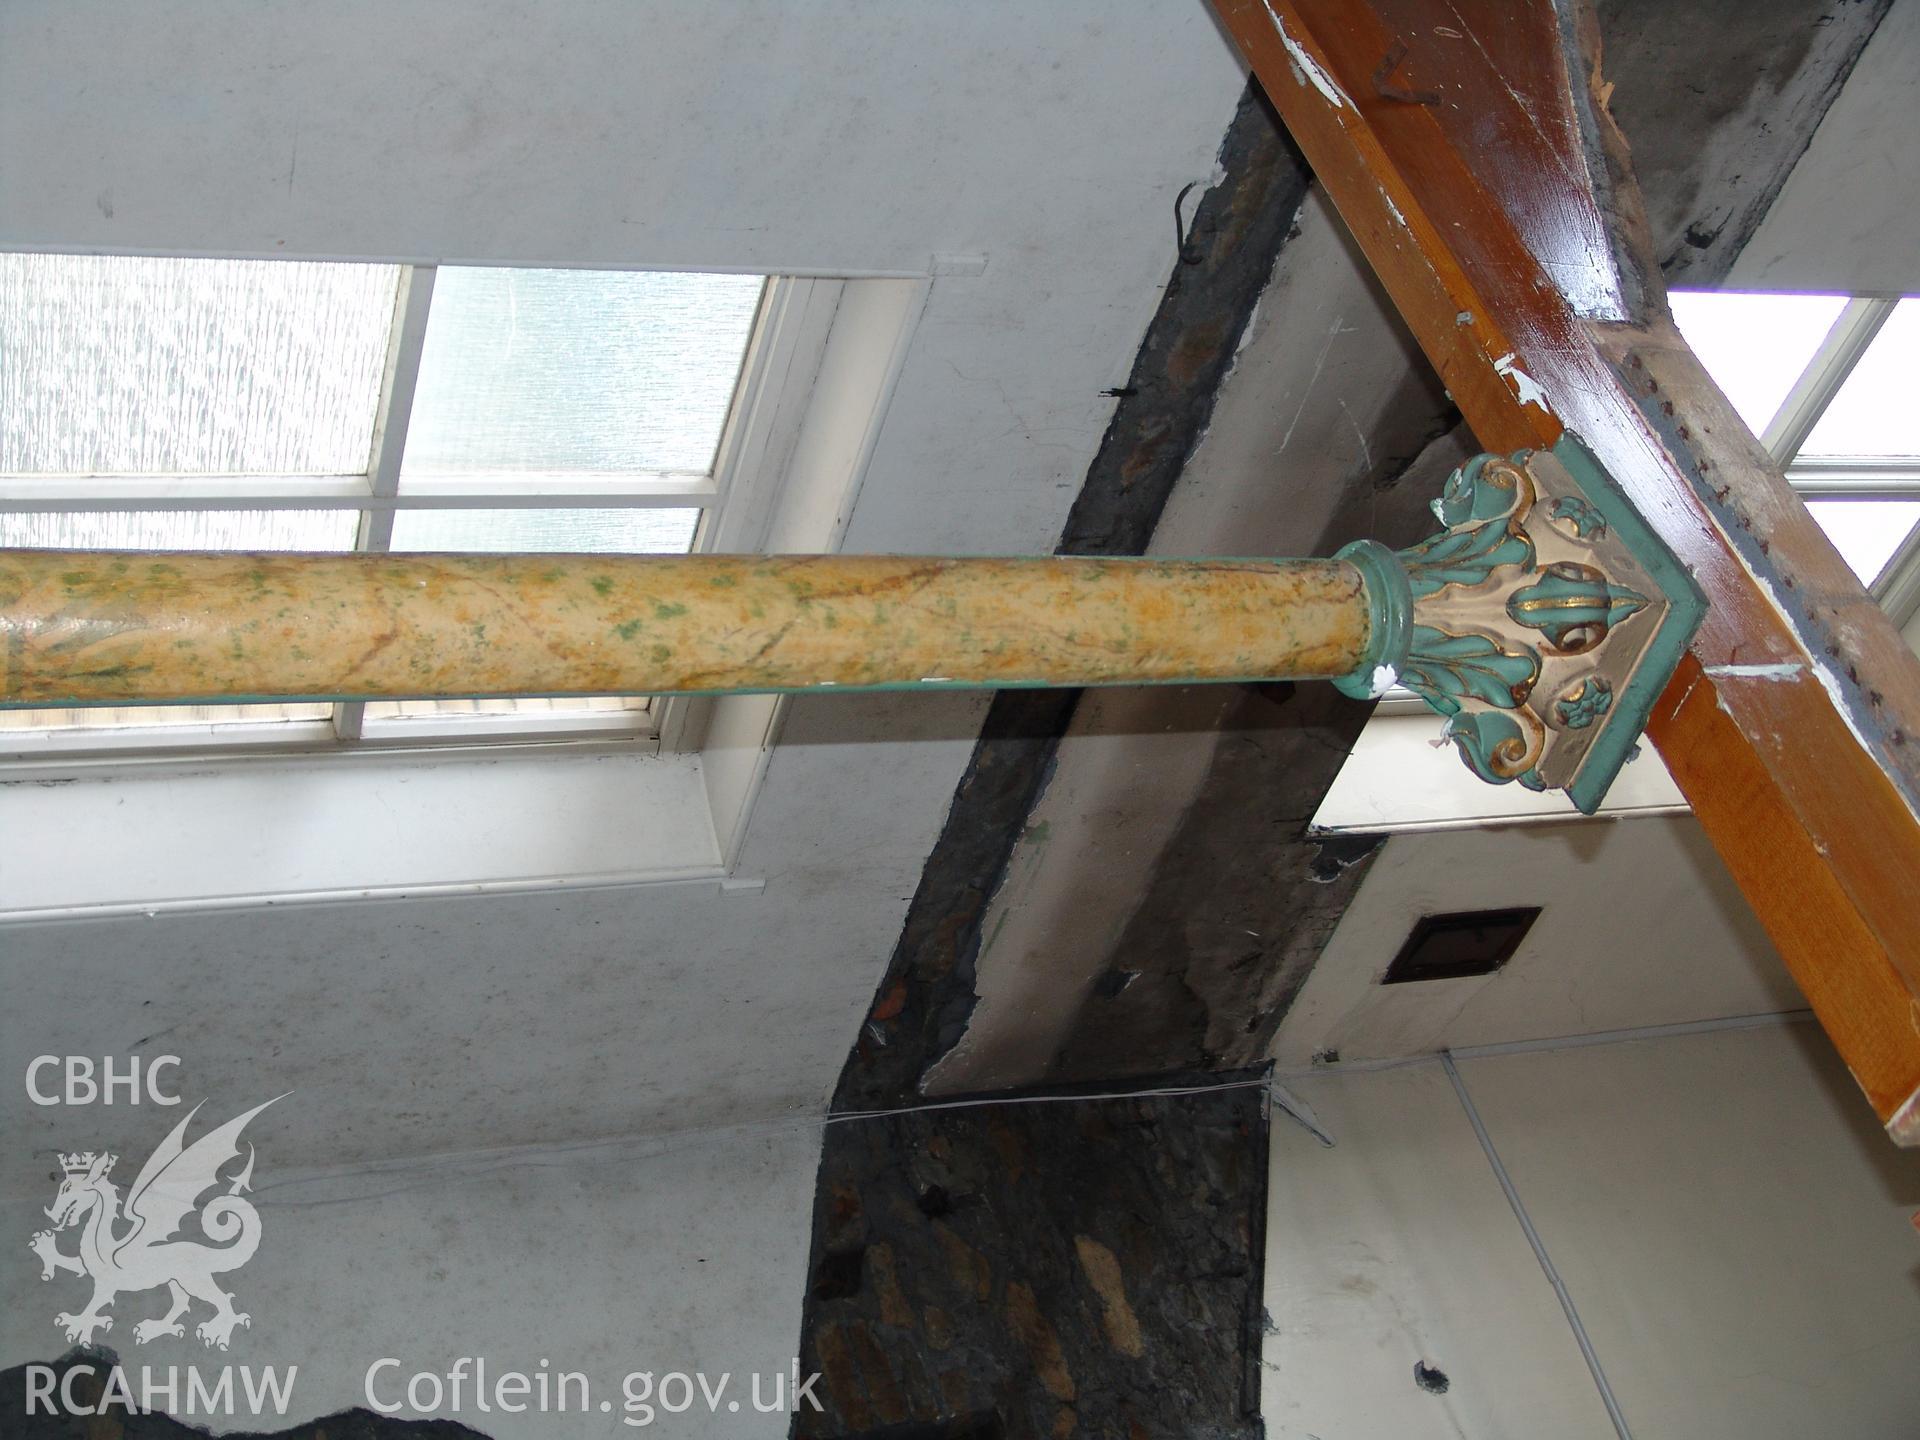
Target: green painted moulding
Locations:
point(1625, 718)
point(1389, 619)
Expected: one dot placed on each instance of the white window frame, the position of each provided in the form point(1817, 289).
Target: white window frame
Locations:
point(1897, 587)
point(737, 500)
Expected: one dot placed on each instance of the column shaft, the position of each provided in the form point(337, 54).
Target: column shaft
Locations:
point(82, 628)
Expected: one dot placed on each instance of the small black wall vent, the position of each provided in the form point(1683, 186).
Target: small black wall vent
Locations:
point(1451, 947)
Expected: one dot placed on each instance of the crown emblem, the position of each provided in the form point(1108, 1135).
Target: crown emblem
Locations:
point(81, 1162)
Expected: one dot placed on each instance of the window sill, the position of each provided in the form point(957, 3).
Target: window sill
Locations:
point(291, 829)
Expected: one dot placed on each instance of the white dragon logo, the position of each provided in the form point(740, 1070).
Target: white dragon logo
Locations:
point(146, 1255)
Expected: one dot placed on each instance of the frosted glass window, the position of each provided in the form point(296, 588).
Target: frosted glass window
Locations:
point(91, 720)
point(1866, 532)
point(322, 530)
point(115, 365)
point(639, 531)
point(206, 370)
point(612, 708)
point(1755, 346)
point(581, 371)
point(1877, 412)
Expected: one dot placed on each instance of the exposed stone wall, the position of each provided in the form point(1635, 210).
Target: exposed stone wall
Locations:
point(1079, 1267)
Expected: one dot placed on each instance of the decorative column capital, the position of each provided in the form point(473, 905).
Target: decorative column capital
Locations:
point(1541, 622)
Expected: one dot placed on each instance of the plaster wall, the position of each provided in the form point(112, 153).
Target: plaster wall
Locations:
point(1845, 221)
point(1733, 1231)
point(1640, 925)
point(674, 1253)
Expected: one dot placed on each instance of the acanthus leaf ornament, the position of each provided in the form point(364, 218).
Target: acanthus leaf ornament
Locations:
point(1542, 621)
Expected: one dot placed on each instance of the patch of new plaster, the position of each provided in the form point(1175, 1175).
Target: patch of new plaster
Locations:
point(1791, 670)
point(1525, 387)
point(1844, 700)
point(1306, 69)
point(1301, 1113)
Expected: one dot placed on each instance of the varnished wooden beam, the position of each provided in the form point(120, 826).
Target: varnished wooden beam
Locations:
point(1466, 143)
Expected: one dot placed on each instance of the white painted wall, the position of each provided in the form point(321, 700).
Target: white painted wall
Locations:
point(1395, 1248)
point(675, 1253)
point(1640, 925)
point(415, 1028)
point(197, 834)
point(1732, 1228)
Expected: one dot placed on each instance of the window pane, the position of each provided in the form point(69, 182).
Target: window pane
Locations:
point(577, 370)
point(1755, 345)
point(1877, 411)
point(634, 531)
point(328, 530)
point(114, 365)
point(86, 726)
point(528, 715)
point(1866, 532)
point(325, 530)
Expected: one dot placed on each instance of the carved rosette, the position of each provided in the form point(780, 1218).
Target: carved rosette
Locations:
point(1520, 621)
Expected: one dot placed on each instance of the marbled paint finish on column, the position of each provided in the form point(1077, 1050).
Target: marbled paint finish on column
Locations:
point(100, 627)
